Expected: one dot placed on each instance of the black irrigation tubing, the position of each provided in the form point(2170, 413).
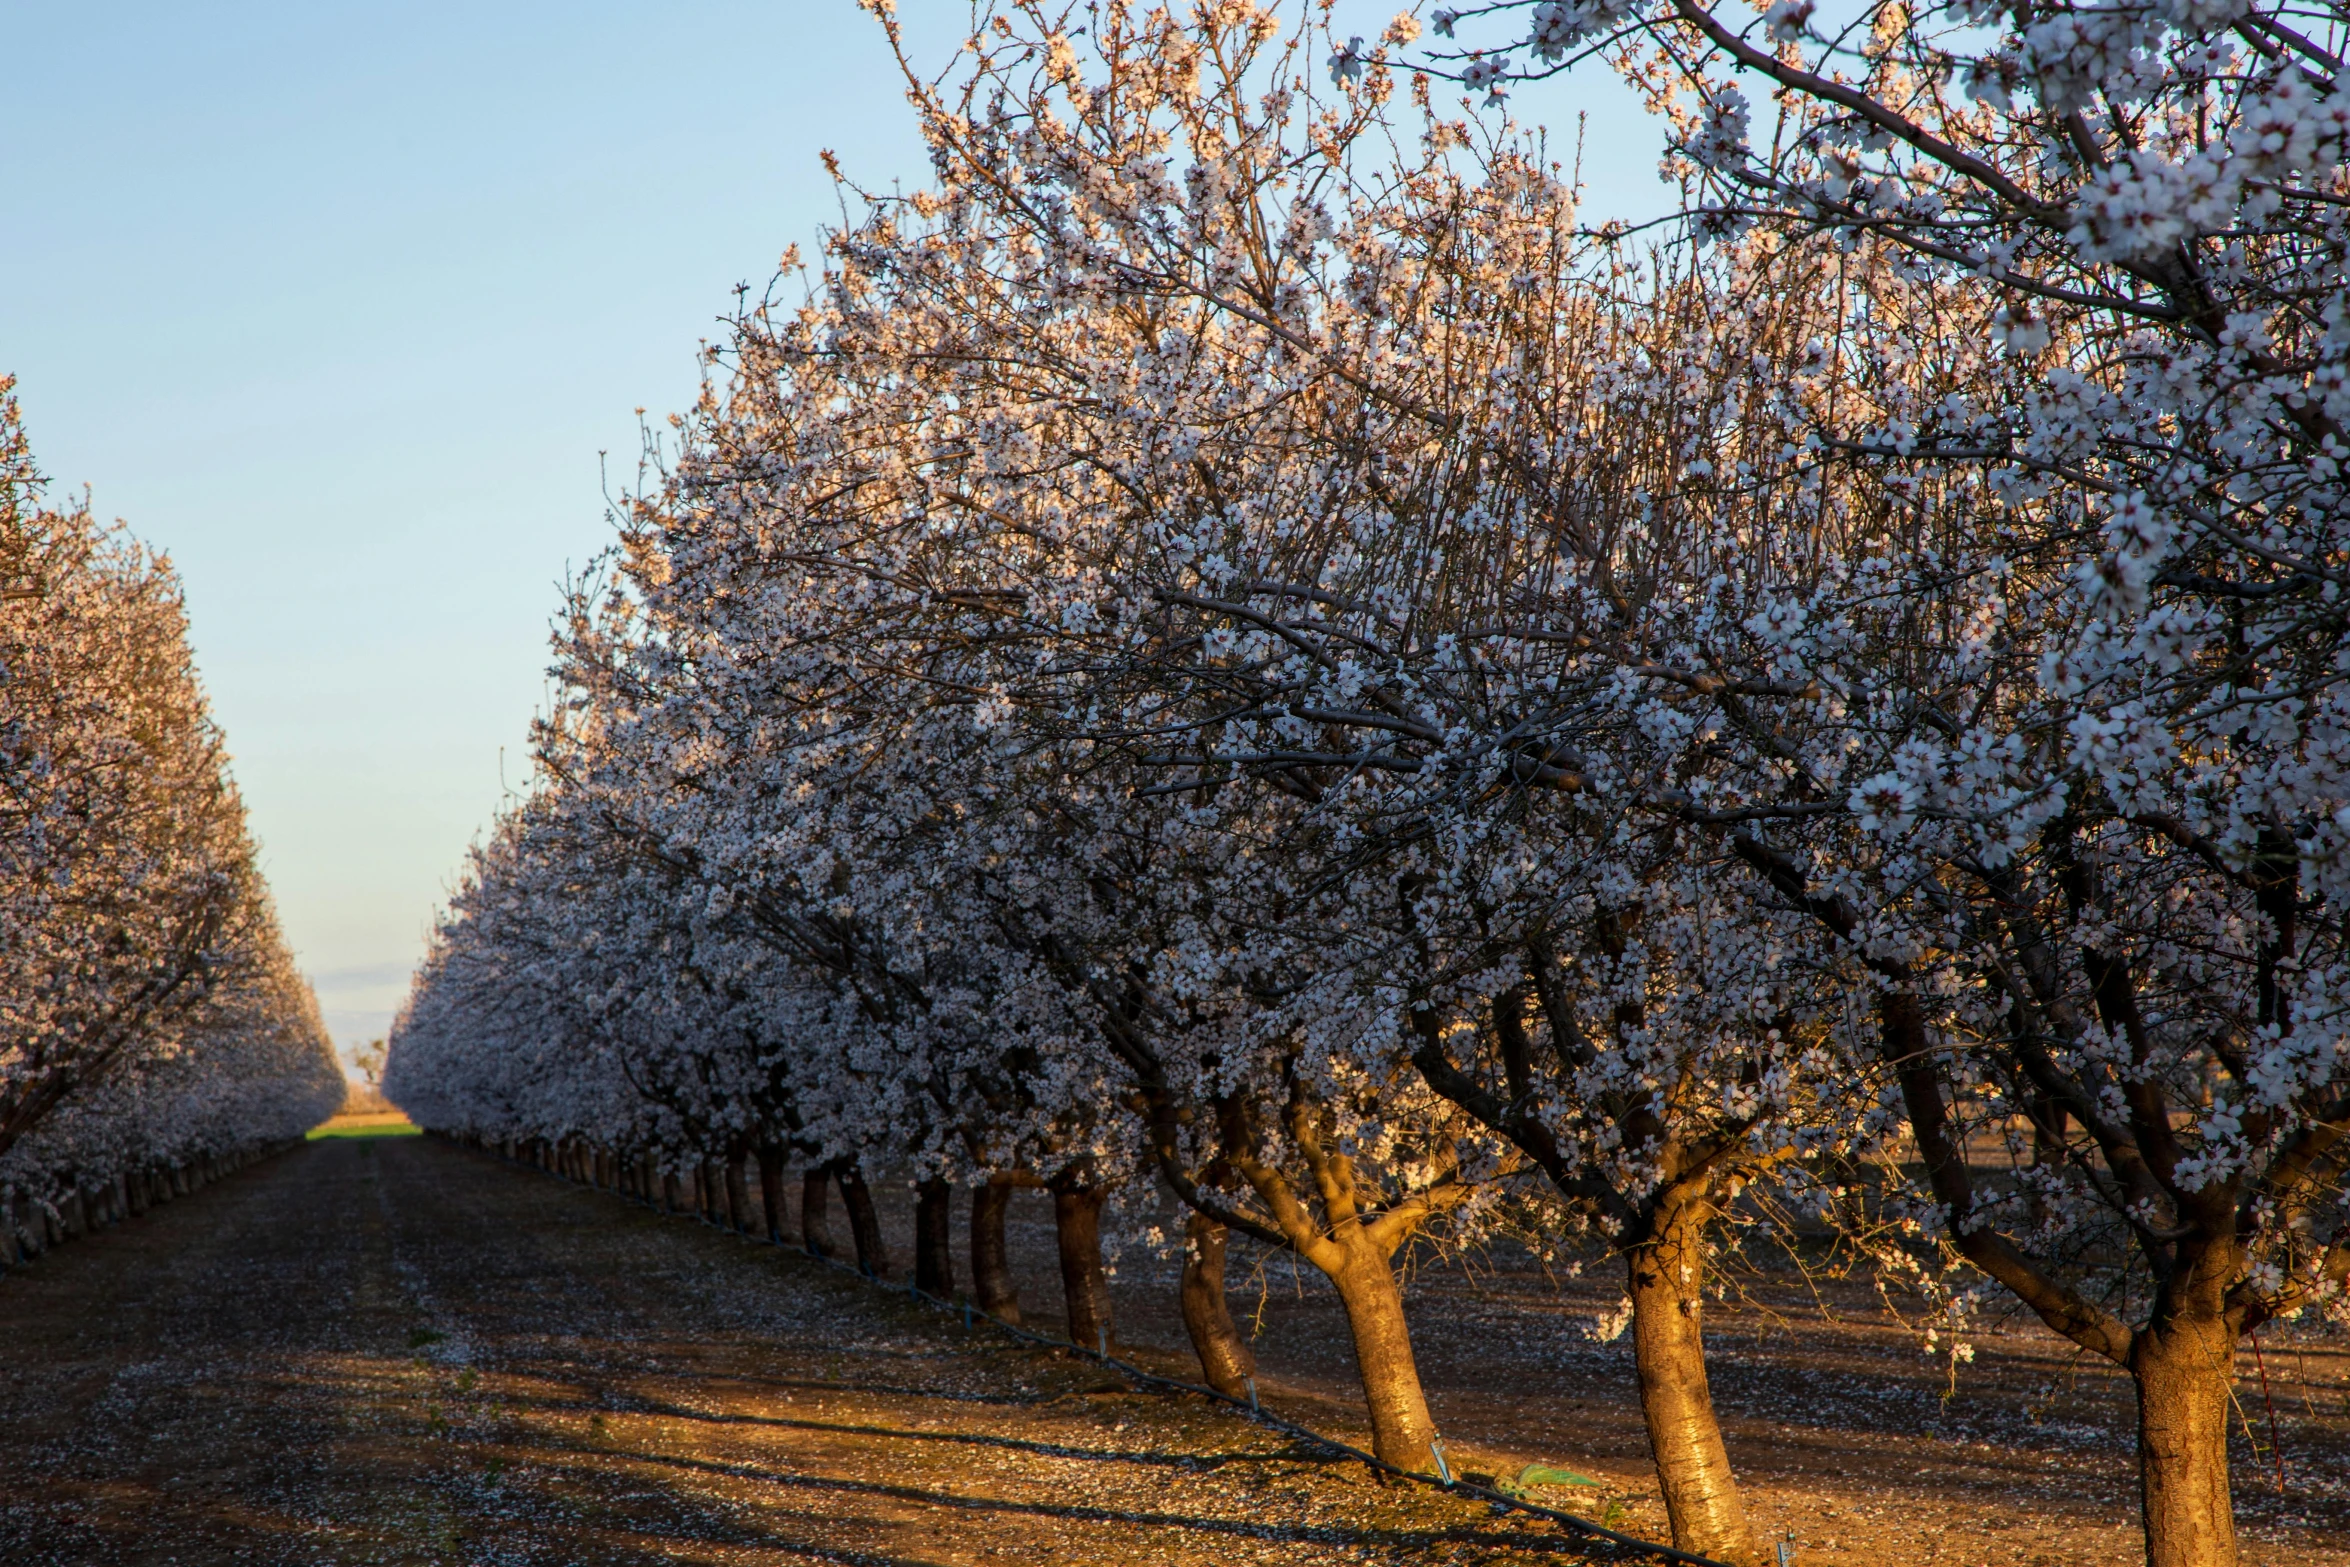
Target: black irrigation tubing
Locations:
point(1248, 1409)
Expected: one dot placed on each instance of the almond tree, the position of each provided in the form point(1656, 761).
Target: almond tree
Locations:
point(1390, 539)
point(149, 1013)
point(2087, 840)
point(981, 898)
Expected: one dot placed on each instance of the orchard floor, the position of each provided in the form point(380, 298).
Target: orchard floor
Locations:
point(380, 1350)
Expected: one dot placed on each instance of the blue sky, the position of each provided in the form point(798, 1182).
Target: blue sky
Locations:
point(339, 304)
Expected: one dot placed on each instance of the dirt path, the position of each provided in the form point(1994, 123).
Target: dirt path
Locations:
point(1849, 1441)
point(390, 1351)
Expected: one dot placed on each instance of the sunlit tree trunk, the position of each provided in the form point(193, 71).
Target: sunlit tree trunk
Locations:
point(1666, 1281)
point(2183, 1362)
point(1403, 1433)
point(1224, 1357)
point(1355, 1251)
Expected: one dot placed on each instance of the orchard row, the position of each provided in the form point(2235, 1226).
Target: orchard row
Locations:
point(1230, 647)
point(153, 1031)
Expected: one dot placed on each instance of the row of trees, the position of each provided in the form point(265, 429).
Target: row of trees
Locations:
point(152, 1026)
point(1230, 647)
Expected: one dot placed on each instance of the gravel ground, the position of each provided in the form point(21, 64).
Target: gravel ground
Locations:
point(397, 1351)
point(1851, 1444)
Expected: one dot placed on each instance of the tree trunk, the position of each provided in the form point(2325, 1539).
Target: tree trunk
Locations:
point(1402, 1430)
point(771, 1192)
point(815, 1230)
point(2183, 1367)
point(934, 1246)
point(991, 1265)
point(738, 1196)
point(864, 1223)
point(1224, 1358)
point(669, 1193)
point(1666, 1280)
point(1077, 1225)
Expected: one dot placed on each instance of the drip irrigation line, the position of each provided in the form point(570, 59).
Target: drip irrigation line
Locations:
point(1248, 1409)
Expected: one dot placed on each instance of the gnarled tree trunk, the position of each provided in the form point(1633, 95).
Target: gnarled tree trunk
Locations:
point(1666, 1280)
point(1403, 1433)
point(934, 1247)
point(2183, 1365)
point(771, 1191)
point(738, 1196)
point(815, 1229)
point(991, 1265)
point(864, 1223)
point(1224, 1357)
point(1353, 1245)
point(1077, 1225)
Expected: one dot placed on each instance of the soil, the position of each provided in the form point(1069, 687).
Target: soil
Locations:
point(390, 1350)
point(1852, 1444)
point(396, 1351)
